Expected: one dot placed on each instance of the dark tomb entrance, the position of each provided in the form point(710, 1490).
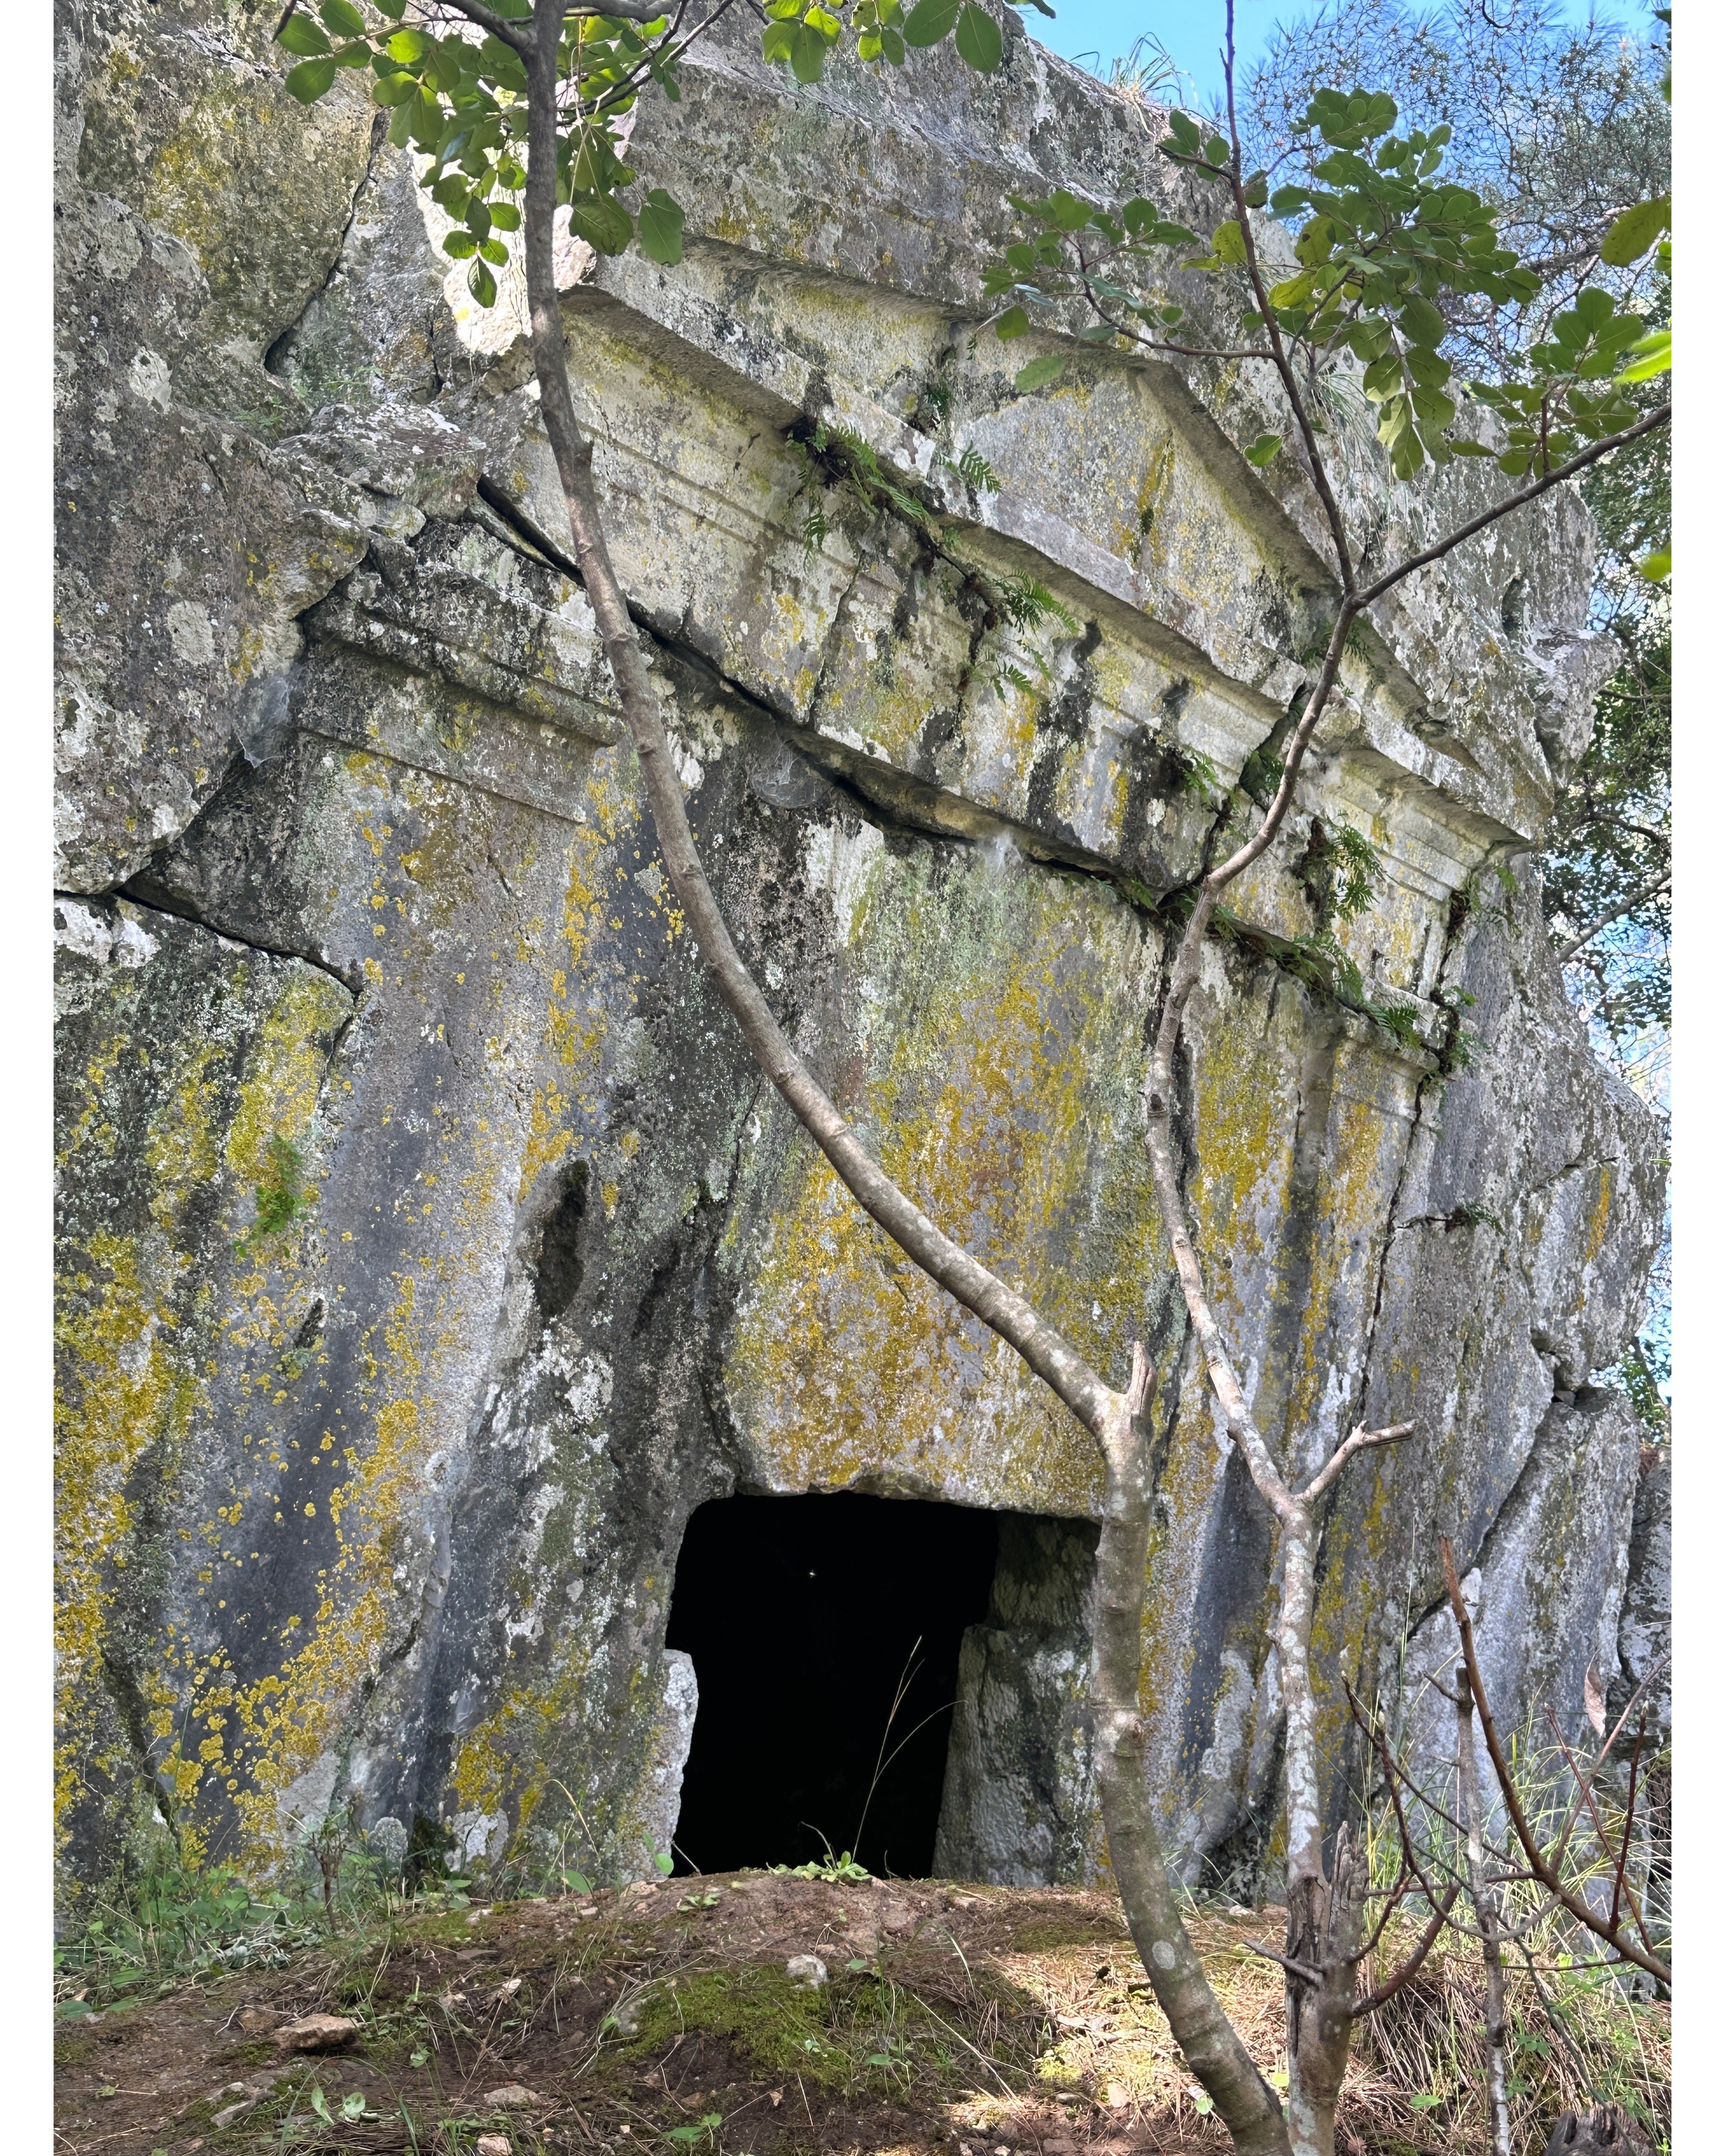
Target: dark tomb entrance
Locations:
point(806, 1619)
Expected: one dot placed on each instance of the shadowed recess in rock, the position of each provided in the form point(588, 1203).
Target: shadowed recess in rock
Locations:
point(806, 1618)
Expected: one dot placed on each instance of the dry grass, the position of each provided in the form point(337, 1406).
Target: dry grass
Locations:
point(1418, 2076)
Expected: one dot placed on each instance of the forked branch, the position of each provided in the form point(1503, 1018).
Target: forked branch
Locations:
point(1543, 1869)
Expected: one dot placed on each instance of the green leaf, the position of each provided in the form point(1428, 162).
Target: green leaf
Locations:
point(1593, 309)
point(407, 46)
point(808, 52)
point(1407, 454)
point(661, 227)
point(1635, 232)
point(311, 78)
point(979, 39)
point(1421, 321)
point(391, 90)
point(829, 26)
point(1657, 567)
point(1396, 417)
point(1264, 450)
point(1293, 292)
point(482, 285)
point(1012, 324)
point(494, 250)
point(1653, 357)
point(300, 34)
point(776, 41)
point(343, 17)
point(1065, 210)
point(1039, 371)
point(1228, 242)
point(603, 222)
point(930, 21)
point(1182, 134)
point(460, 244)
point(505, 216)
point(893, 46)
point(665, 1864)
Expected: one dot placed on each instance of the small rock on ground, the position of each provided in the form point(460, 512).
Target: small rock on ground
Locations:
point(511, 2096)
point(317, 2032)
point(809, 1970)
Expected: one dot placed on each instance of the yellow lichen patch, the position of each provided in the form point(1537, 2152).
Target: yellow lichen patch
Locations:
point(180, 1149)
point(1244, 1120)
point(1002, 1094)
point(549, 1137)
point(285, 1072)
point(508, 1758)
point(272, 1730)
point(121, 1391)
point(1599, 1223)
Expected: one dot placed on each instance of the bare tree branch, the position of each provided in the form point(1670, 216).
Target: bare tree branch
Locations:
point(517, 34)
point(1361, 1440)
point(1487, 517)
point(1628, 1821)
point(1543, 1869)
point(1411, 1967)
point(1604, 1840)
point(1647, 890)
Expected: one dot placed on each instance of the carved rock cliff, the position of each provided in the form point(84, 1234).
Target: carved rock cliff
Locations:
point(430, 1247)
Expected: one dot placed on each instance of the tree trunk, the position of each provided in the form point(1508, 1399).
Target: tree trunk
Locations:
point(1206, 2037)
point(1324, 1913)
point(1485, 1903)
point(1245, 2101)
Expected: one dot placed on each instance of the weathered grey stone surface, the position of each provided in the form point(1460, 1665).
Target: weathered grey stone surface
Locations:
point(430, 1246)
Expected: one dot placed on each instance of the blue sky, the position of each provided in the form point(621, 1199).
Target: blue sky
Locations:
point(1192, 29)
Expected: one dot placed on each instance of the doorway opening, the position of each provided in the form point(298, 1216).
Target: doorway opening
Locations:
point(826, 1634)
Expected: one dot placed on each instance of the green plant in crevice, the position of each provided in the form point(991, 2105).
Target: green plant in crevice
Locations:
point(1400, 1021)
point(1340, 871)
point(973, 468)
point(937, 395)
point(837, 457)
point(279, 1197)
point(1455, 1051)
point(1192, 771)
point(932, 411)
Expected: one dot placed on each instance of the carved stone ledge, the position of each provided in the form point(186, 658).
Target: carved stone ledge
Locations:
point(436, 620)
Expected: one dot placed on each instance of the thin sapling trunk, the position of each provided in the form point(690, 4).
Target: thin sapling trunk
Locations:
point(1484, 1897)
